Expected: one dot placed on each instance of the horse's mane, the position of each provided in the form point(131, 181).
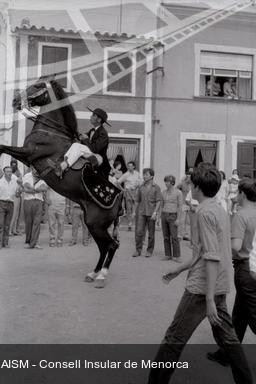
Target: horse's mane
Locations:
point(68, 110)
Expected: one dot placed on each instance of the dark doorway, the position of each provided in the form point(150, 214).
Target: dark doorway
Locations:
point(246, 159)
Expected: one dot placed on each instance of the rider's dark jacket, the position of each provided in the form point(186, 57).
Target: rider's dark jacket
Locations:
point(99, 144)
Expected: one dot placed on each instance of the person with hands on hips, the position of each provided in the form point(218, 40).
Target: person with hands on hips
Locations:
point(147, 203)
point(171, 209)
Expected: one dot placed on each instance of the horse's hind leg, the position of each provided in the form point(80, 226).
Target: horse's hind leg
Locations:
point(90, 277)
point(100, 279)
point(101, 238)
point(107, 247)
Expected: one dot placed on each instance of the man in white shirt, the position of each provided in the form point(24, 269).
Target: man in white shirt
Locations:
point(192, 203)
point(14, 226)
point(132, 180)
point(33, 208)
point(8, 189)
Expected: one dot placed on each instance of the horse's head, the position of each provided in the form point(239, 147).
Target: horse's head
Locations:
point(35, 95)
point(49, 94)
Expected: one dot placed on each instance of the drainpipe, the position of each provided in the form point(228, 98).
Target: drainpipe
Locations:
point(148, 110)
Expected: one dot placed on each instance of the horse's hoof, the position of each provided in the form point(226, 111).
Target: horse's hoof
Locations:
point(89, 279)
point(99, 283)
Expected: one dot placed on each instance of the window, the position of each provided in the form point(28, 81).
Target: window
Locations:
point(246, 159)
point(200, 150)
point(125, 149)
point(227, 75)
point(117, 61)
point(56, 59)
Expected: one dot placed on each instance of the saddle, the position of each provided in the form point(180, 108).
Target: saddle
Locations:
point(101, 190)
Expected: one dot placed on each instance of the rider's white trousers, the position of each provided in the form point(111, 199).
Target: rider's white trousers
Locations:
point(79, 150)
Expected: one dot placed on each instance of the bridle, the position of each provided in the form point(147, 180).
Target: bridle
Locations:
point(45, 120)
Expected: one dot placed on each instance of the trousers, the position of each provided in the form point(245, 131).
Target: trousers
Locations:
point(56, 216)
point(32, 215)
point(189, 314)
point(170, 234)
point(244, 310)
point(144, 223)
point(77, 218)
point(16, 215)
point(6, 211)
point(75, 151)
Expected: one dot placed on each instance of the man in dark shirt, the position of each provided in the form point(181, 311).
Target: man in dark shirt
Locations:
point(147, 204)
point(93, 145)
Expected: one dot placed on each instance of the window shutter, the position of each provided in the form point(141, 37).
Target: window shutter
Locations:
point(245, 159)
point(219, 60)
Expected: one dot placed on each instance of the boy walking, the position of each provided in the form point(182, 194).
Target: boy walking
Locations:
point(242, 235)
point(207, 284)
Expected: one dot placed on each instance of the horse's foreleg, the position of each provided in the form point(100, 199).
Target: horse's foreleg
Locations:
point(19, 153)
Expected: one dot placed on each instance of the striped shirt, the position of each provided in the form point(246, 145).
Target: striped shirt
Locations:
point(172, 200)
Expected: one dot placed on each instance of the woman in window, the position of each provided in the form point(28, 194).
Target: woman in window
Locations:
point(212, 87)
point(229, 89)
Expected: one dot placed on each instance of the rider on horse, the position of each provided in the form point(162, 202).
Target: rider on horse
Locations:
point(92, 146)
point(54, 131)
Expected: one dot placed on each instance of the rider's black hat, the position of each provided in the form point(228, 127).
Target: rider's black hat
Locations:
point(101, 113)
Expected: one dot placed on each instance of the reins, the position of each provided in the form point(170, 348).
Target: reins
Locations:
point(36, 116)
point(51, 133)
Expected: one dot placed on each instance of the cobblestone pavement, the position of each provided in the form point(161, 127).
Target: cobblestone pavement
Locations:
point(44, 298)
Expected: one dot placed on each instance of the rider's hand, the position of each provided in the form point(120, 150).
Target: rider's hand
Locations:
point(83, 136)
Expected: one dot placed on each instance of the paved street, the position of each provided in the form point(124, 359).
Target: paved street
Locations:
point(44, 298)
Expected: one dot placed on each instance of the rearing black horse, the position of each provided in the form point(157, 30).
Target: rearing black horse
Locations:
point(53, 132)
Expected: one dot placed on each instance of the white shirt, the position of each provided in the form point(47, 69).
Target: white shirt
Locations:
point(92, 133)
point(190, 199)
point(8, 189)
point(131, 180)
point(28, 178)
point(252, 256)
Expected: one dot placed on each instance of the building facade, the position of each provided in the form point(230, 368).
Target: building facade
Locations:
point(194, 103)
point(205, 103)
point(97, 69)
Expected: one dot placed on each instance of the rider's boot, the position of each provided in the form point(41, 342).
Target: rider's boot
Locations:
point(94, 161)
